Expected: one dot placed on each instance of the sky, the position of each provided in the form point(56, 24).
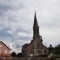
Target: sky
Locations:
point(17, 17)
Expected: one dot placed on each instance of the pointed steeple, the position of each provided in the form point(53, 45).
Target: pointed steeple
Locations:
point(35, 21)
point(35, 27)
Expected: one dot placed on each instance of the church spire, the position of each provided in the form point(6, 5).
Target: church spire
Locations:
point(35, 21)
point(35, 27)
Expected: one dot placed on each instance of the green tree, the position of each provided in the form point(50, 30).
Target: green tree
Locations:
point(57, 49)
point(13, 54)
point(50, 49)
point(19, 55)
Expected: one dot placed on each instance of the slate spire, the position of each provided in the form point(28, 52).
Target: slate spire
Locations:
point(35, 21)
point(35, 27)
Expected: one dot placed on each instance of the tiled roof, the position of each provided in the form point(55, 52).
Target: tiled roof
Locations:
point(5, 45)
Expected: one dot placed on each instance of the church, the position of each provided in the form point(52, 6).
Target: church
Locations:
point(35, 47)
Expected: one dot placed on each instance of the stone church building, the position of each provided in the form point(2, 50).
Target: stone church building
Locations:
point(35, 47)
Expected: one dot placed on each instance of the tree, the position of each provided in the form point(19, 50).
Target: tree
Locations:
point(19, 55)
point(13, 54)
point(50, 49)
point(57, 49)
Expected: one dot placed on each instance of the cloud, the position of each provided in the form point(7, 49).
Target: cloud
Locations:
point(16, 21)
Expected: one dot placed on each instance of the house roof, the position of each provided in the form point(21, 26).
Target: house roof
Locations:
point(5, 45)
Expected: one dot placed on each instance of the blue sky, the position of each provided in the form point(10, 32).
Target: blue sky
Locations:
point(16, 22)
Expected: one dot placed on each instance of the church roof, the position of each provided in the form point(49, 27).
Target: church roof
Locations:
point(25, 45)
